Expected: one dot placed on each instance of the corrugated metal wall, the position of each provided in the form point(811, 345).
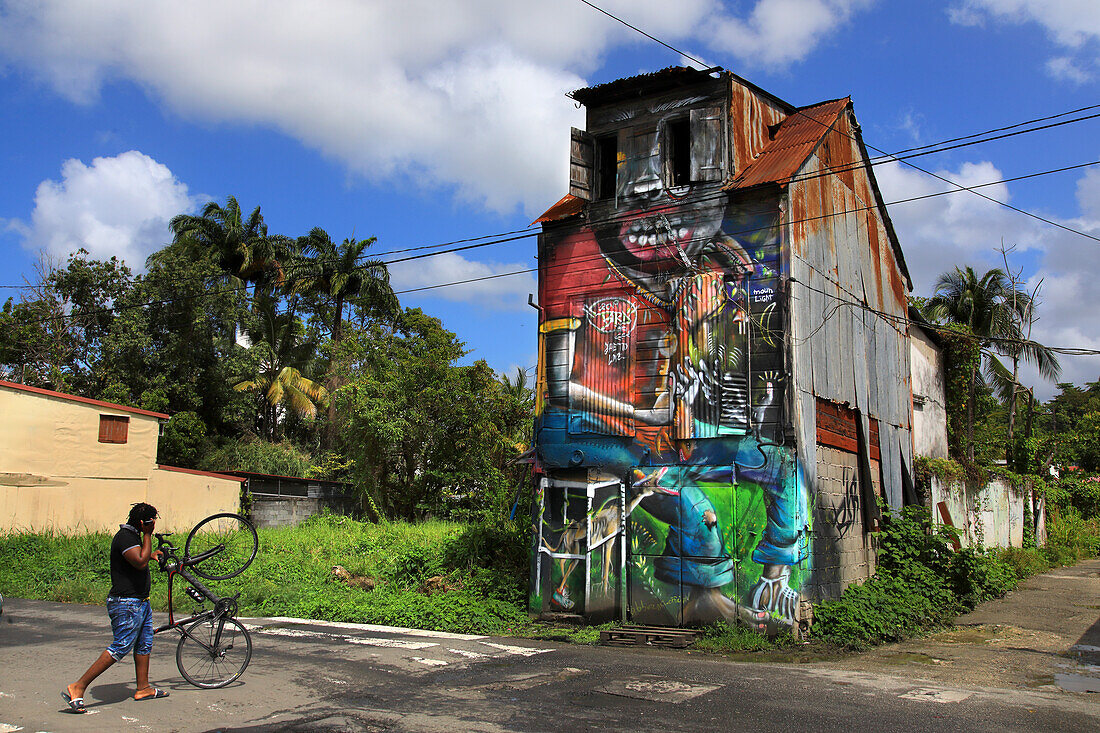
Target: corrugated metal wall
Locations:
point(848, 305)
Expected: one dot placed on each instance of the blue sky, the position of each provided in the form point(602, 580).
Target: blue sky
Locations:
point(425, 122)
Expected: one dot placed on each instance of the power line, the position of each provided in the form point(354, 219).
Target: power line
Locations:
point(596, 258)
point(872, 147)
point(652, 38)
point(517, 234)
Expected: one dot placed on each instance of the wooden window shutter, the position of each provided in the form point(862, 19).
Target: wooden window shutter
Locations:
point(708, 149)
point(113, 428)
point(581, 164)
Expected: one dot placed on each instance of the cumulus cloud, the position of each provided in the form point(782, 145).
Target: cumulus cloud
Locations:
point(1071, 24)
point(464, 97)
point(507, 292)
point(955, 228)
point(116, 206)
point(963, 229)
point(780, 32)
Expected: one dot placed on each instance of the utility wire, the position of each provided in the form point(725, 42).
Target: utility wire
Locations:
point(684, 54)
point(872, 147)
point(517, 234)
point(594, 258)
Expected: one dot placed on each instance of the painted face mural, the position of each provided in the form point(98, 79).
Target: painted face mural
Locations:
point(662, 386)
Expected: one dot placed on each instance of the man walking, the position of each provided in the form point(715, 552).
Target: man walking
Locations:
point(128, 607)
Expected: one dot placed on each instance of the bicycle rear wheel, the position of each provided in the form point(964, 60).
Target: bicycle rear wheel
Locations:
point(231, 540)
point(215, 662)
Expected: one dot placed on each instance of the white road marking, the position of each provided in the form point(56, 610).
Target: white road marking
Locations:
point(430, 662)
point(394, 643)
point(335, 682)
point(467, 653)
point(303, 634)
point(129, 720)
point(6, 694)
point(9, 728)
point(366, 627)
point(524, 651)
point(932, 694)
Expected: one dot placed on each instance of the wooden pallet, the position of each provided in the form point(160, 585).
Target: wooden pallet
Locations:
point(648, 636)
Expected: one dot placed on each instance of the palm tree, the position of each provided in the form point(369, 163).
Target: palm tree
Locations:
point(518, 388)
point(993, 309)
point(240, 246)
point(340, 273)
point(284, 355)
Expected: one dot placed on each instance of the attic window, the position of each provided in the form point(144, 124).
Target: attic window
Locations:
point(607, 165)
point(113, 428)
point(677, 144)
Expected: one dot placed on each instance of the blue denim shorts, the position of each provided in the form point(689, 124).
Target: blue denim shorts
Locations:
point(132, 624)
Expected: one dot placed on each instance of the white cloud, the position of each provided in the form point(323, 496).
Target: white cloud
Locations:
point(961, 229)
point(780, 32)
point(463, 96)
point(116, 206)
point(508, 292)
point(1065, 68)
point(957, 228)
point(1071, 24)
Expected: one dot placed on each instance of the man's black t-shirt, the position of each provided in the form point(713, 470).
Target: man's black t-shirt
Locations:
point(126, 580)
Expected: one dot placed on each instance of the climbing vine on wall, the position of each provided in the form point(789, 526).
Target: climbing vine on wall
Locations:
point(962, 353)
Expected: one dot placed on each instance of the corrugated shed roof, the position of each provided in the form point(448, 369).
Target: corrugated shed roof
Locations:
point(651, 83)
point(795, 140)
point(569, 205)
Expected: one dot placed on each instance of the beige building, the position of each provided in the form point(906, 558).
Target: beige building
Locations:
point(74, 464)
point(926, 363)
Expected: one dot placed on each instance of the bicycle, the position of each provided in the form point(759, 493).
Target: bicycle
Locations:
point(214, 647)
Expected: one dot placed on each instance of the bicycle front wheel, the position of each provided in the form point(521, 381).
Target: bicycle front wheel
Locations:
point(229, 539)
point(209, 659)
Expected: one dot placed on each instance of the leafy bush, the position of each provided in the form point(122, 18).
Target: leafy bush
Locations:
point(257, 456)
point(920, 584)
point(1024, 562)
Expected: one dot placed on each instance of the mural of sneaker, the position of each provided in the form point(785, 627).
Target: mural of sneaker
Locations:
point(561, 599)
point(776, 595)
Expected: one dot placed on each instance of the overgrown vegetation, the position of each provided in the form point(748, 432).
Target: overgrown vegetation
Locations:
point(281, 355)
point(431, 575)
point(921, 583)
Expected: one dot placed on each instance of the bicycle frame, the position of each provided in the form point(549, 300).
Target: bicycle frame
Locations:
point(174, 566)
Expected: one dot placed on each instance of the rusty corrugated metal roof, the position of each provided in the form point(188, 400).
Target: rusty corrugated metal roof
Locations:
point(569, 205)
point(795, 140)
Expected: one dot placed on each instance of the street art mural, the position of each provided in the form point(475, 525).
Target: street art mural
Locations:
point(669, 486)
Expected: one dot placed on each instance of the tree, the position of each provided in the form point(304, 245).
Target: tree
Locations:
point(54, 336)
point(340, 273)
point(427, 436)
point(277, 337)
point(992, 309)
point(239, 246)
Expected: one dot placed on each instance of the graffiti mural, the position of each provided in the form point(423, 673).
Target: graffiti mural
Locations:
point(662, 370)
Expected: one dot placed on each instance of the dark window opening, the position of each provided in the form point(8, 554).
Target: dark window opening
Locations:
point(678, 152)
point(607, 165)
point(113, 428)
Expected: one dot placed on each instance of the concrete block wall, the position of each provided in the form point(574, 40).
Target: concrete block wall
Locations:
point(842, 553)
point(287, 511)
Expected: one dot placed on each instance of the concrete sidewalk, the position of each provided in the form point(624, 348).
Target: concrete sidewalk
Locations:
point(1045, 635)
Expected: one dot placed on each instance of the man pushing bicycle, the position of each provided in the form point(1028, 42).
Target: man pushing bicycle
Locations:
point(128, 607)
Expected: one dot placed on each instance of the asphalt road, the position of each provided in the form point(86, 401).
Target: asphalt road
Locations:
point(307, 676)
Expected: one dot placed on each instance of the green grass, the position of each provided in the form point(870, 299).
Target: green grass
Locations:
point(292, 575)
